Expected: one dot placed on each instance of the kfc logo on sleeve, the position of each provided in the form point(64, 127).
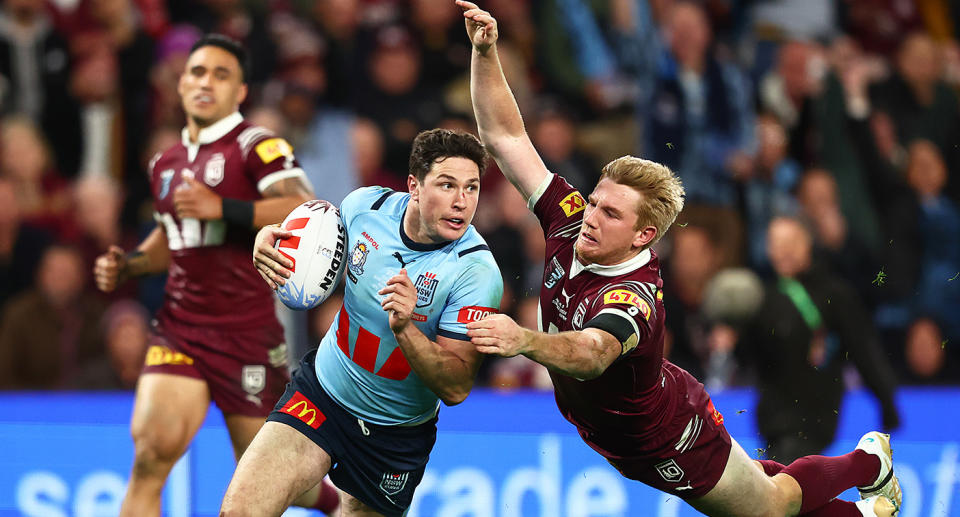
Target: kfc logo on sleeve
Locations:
point(474, 313)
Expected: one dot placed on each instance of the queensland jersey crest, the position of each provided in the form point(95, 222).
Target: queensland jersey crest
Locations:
point(426, 286)
point(213, 171)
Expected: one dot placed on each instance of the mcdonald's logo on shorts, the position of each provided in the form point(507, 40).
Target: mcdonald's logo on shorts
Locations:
point(300, 407)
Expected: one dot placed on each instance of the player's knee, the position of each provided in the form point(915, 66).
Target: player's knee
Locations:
point(233, 507)
point(155, 452)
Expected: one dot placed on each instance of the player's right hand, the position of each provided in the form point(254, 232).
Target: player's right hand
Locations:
point(108, 269)
point(481, 27)
point(270, 263)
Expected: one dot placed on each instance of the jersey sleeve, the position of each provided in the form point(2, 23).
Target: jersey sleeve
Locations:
point(476, 294)
point(558, 206)
point(625, 310)
point(269, 158)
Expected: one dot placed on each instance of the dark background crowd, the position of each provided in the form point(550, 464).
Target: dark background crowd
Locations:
point(817, 141)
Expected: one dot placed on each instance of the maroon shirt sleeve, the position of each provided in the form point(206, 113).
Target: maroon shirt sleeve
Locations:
point(560, 209)
point(628, 310)
point(268, 158)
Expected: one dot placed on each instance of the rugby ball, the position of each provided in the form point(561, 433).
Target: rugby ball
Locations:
point(316, 248)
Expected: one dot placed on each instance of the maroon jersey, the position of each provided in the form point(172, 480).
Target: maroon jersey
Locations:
point(211, 280)
point(640, 406)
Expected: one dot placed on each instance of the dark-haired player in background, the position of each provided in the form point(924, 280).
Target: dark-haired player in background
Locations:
point(217, 336)
point(601, 307)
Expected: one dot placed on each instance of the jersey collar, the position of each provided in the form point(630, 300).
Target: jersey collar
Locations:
point(214, 131)
point(640, 260)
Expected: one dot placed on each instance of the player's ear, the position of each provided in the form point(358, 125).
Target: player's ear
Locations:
point(644, 236)
point(242, 93)
point(413, 186)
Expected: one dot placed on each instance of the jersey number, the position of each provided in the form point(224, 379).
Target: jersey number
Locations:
point(193, 233)
point(365, 351)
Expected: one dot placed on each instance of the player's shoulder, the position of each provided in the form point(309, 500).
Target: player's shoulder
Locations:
point(165, 158)
point(253, 138)
point(472, 256)
point(372, 199)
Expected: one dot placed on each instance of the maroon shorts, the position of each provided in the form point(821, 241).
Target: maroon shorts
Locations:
point(245, 370)
point(692, 461)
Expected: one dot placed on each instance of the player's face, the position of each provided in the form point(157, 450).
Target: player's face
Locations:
point(608, 235)
point(447, 199)
point(211, 86)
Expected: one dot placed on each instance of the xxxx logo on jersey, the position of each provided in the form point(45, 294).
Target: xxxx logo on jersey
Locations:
point(629, 298)
point(573, 203)
point(273, 148)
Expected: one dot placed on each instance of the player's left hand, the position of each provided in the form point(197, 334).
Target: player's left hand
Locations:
point(498, 334)
point(481, 27)
point(400, 300)
point(193, 199)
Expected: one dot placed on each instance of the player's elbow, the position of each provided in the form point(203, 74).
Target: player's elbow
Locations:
point(455, 396)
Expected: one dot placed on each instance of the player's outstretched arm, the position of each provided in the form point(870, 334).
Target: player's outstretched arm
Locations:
point(583, 354)
point(114, 267)
point(447, 366)
point(498, 117)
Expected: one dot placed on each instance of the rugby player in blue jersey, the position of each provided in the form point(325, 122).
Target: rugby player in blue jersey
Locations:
point(363, 406)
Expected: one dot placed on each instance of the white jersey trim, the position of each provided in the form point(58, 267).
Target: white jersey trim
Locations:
point(638, 261)
point(274, 177)
point(537, 194)
point(214, 131)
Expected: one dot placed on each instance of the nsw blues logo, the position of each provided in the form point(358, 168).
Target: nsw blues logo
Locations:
point(553, 274)
point(165, 178)
point(426, 286)
point(358, 257)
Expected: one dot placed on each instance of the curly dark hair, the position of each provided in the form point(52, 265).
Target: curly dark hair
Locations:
point(436, 145)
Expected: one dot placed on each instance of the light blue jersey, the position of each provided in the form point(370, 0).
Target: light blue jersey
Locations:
point(359, 362)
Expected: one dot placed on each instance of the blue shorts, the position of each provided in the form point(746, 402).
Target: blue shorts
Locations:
point(379, 465)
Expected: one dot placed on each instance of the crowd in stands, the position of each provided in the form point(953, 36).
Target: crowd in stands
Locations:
point(839, 116)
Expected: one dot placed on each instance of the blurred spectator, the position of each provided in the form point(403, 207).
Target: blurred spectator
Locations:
point(808, 325)
point(927, 357)
point(767, 186)
point(244, 22)
point(35, 68)
point(921, 104)
point(697, 117)
point(114, 81)
point(693, 259)
point(879, 25)
point(97, 204)
point(126, 330)
point(554, 134)
point(171, 58)
point(368, 154)
point(835, 246)
point(446, 53)
point(939, 230)
point(395, 96)
point(42, 194)
point(21, 246)
point(48, 333)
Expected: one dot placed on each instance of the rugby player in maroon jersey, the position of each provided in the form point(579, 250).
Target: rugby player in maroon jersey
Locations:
point(217, 336)
point(601, 334)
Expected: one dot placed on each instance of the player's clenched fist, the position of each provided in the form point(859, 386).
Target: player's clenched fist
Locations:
point(109, 269)
point(399, 300)
point(498, 334)
point(272, 266)
point(193, 199)
point(481, 27)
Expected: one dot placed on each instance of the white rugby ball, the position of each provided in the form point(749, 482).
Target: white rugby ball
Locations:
point(317, 250)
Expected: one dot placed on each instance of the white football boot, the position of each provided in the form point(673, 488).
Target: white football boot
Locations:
point(877, 506)
point(886, 484)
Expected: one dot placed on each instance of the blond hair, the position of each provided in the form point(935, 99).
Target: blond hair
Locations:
point(661, 192)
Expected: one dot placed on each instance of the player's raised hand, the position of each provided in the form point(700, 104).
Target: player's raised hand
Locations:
point(270, 263)
point(108, 269)
point(193, 199)
point(498, 334)
point(399, 300)
point(481, 27)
